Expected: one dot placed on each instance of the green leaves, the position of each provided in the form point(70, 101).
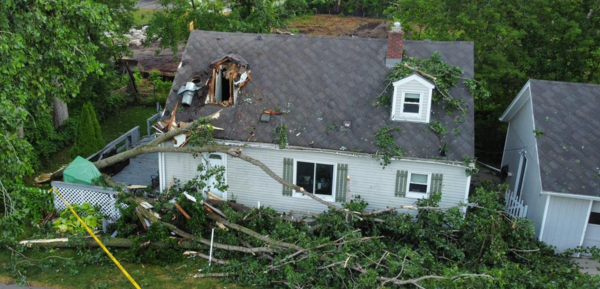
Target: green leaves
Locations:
point(88, 139)
point(68, 223)
point(387, 143)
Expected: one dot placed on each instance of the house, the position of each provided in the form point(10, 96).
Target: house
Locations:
point(306, 107)
point(552, 156)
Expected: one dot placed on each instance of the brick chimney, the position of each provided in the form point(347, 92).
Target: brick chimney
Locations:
point(395, 45)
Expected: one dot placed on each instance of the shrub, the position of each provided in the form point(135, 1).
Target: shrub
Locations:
point(88, 139)
point(68, 223)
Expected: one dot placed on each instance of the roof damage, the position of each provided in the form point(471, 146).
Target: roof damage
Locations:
point(312, 85)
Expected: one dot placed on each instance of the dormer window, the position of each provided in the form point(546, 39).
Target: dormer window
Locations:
point(412, 99)
point(412, 103)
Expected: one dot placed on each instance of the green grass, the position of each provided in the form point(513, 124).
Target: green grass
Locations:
point(74, 275)
point(125, 120)
point(142, 16)
point(112, 128)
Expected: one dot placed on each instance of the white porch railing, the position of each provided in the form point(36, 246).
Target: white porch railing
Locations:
point(79, 194)
point(514, 205)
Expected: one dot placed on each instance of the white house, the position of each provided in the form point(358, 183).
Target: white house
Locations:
point(552, 155)
point(306, 106)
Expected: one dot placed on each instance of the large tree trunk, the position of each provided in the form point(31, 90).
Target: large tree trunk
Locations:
point(60, 112)
point(113, 242)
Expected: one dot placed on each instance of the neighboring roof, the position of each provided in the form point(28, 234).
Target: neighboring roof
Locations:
point(569, 150)
point(322, 81)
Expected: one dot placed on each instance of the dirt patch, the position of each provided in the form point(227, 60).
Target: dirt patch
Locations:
point(333, 25)
point(149, 60)
point(373, 30)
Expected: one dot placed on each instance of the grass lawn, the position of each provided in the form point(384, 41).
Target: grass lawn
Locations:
point(125, 120)
point(142, 16)
point(112, 128)
point(71, 274)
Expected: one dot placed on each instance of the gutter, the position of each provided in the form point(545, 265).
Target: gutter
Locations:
point(572, 196)
point(335, 152)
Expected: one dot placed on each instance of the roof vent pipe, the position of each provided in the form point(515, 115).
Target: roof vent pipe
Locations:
point(188, 91)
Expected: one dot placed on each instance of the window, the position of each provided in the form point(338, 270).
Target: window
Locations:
point(594, 218)
point(418, 186)
point(412, 103)
point(315, 178)
point(521, 173)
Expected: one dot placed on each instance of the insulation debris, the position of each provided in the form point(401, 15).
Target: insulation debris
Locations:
point(229, 74)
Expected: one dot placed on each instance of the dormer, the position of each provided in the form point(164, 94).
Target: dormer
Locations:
point(411, 100)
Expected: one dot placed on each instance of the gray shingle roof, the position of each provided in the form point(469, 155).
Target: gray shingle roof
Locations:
point(569, 151)
point(322, 81)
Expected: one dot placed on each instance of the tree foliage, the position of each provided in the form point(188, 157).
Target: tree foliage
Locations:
point(47, 49)
point(514, 41)
point(88, 138)
point(355, 248)
point(171, 25)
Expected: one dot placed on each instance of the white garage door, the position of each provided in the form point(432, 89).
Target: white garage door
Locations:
point(592, 233)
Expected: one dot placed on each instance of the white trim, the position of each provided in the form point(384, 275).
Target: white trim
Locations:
point(464, 209)
point(403, 102)
point(544, 218)
point(393, 104)
point(505, 143)
point(523, 156)
point(327, 198)
point(585, 225)
point(428, 117)
point(415, 195)
point(411, 114)
point(515, 104)
point(416, 77)
point(535, 144)
point(336, 152)
point(161, 172)
point(571, 196)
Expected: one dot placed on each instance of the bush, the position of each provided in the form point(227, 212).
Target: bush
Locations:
point(88, 139)
point(68, 223)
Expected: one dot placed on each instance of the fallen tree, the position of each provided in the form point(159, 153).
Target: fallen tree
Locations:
point(344, 247)
point(259, 247)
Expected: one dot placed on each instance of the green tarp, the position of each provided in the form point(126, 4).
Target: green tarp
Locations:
point(81, 171)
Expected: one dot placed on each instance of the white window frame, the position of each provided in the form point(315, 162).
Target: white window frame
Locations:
point(327, 198)
point(415, 195)
point(522, 157)
point(411, 114)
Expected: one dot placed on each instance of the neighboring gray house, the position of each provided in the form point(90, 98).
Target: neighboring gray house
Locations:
point(552, 154)
point(327, 89)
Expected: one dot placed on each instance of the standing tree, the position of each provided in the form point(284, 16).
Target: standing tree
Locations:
point(89, 136)
point(47, 49)
point(514, 41)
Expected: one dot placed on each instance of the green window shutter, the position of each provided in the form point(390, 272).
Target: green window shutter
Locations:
point(401, 183)
point(436, 183)
point(341, 188)
point(288, 175)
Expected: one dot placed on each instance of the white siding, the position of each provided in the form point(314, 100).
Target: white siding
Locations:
point(566, 221)
point(520, 137)
point(412, 86)
point(248, 184)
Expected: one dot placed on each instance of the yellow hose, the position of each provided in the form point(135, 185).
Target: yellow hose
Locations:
point(97, 240)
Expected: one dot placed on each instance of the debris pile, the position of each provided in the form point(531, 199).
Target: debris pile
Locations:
point(136, 37)
point(171, 124)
